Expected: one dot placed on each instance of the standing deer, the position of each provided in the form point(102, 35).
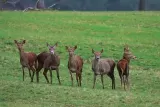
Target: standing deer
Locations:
point(123, 66)
point(49, 61)
point(75, 64)
point(27, 59)
point(101, 67)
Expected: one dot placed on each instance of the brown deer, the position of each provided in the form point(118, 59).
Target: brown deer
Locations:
point(49, 61)
point(102, 67)
point(75, 64)
point(123, 66)
point(27, 59)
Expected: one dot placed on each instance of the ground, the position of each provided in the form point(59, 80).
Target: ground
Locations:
point(98, 30)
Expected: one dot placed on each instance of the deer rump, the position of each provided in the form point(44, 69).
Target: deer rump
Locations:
point(123, 67)
point(44, 59)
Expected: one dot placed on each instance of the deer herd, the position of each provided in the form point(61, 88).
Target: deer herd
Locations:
point(51, 61)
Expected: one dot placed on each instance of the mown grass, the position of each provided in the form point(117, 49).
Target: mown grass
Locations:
point(87, 30)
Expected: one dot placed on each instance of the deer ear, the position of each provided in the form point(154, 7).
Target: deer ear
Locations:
point(92, 51)
point(66, 47)
point(47, 44)
point(75, 47)
point(102, 51)
point(56, 44)
point(24, 41)
point(126, 46)
point(15, 41)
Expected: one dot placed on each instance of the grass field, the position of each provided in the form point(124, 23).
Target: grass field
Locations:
point(87, 30)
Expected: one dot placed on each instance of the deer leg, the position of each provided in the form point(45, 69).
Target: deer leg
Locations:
point(45, 74)
point(80, 78)
point(37, 71)
point(29, 73)
point(121, 79)
point(33, 70)
point(29, 69)
point(37, 75)
point(113, 81)
point(77, 75)
point(23, 72)
point(32, 76)
point(120, 75)
point(94, 80)
point(127, 78)
point(57, 71)
point(50, 75)
point(128, 85)
point(71, 77)
point(102, 80)
point(124, 81)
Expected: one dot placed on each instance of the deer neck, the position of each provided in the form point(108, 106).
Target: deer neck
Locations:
point(23, 58)
point(95, 64)
point(52, 56)
point(72, 58)
point(21, 53)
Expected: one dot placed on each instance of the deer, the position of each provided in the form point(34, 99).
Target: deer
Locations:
point(27, 59)
point(102, 66)
point(49, 61)
point(123, 66)
point(75, 64)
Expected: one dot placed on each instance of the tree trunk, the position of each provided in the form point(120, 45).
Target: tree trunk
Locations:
point(141, 5)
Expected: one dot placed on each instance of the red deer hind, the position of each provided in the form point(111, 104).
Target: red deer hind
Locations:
point(27, 59)
point(102, 67)
point(75, 64)
point(49, 61)
point(123, 66)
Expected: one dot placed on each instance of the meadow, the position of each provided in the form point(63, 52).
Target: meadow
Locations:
point(98, 30)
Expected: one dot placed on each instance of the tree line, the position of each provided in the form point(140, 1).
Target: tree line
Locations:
point(81, 5)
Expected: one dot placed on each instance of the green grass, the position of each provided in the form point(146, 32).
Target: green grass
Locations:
point(87, 30)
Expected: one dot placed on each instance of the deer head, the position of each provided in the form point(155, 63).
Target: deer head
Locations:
point(97, 54)
point(71, 50)
point(127, 54)
point(19, 44)
point(52, 48)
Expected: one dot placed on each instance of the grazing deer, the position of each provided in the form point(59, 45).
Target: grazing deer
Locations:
point(123, 66)
point(75, 64)
point(27, 59)
point(103, 66)
point(49, 61)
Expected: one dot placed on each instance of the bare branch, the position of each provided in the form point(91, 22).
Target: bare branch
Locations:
point(13, 3)
point(52, 5)
point(36, 4)
point(28, 8)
